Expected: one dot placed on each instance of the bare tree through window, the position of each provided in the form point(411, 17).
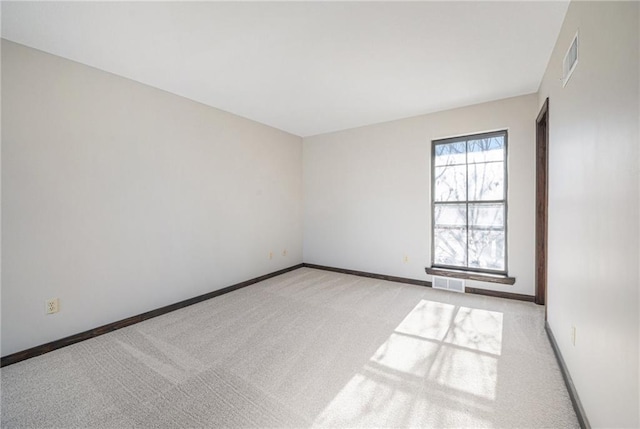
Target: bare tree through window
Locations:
point(469, 202)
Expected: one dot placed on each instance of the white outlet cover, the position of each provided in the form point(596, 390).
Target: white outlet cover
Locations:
point(51, 306)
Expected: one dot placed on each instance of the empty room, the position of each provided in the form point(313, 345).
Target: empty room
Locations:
point(320, 214)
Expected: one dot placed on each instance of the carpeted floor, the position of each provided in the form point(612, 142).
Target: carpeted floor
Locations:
point(307, 348)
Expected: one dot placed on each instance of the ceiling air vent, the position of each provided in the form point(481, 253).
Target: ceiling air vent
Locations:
point(570, 61)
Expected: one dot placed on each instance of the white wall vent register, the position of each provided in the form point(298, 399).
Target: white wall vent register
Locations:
point(446, 283)
point(570, 61)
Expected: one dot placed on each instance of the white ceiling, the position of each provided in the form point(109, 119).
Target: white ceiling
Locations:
point(305, 67)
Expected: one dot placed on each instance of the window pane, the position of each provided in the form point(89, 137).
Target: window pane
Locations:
point(485, 150)
point(486, 249)
point(486, 216)
point(486, 181)
point(450, 215)
point(451, 153)
point(450, 183)
point(450, 246)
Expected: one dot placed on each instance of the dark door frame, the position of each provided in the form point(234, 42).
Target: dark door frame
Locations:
point(542, 187)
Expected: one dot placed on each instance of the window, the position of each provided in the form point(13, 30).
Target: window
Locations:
point(469, 209)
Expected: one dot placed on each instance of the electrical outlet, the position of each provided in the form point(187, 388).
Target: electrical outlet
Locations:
point(270, 255)
point(284, 252)
point(573, 335)
point(405, 259)
point(51, 306)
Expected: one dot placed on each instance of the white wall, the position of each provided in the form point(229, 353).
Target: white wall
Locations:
point(594, 208)
point(119, 198)
point(367, 191)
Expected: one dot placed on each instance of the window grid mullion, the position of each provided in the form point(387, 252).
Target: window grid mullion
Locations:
point(475, 202)
point(466, 159)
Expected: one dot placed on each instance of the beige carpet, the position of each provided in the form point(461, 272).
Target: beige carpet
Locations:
point(308, 348)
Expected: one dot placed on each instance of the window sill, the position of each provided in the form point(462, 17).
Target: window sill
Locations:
point(470, 275)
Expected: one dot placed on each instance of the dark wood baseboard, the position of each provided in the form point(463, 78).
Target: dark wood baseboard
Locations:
point(72, 339)
point(67, 341)
point(498, 294)
point(370, 275)
point(573, 393)
point(475, 291)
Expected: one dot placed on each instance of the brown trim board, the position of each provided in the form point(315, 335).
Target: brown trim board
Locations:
point(370, 275)
point(471, 290)
point(542, 203)
point(72, 339)
point(481, 277)
point(573, 393)
point(498, 294)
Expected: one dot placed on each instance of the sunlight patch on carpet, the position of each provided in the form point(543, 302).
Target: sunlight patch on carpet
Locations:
point(439, 350)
